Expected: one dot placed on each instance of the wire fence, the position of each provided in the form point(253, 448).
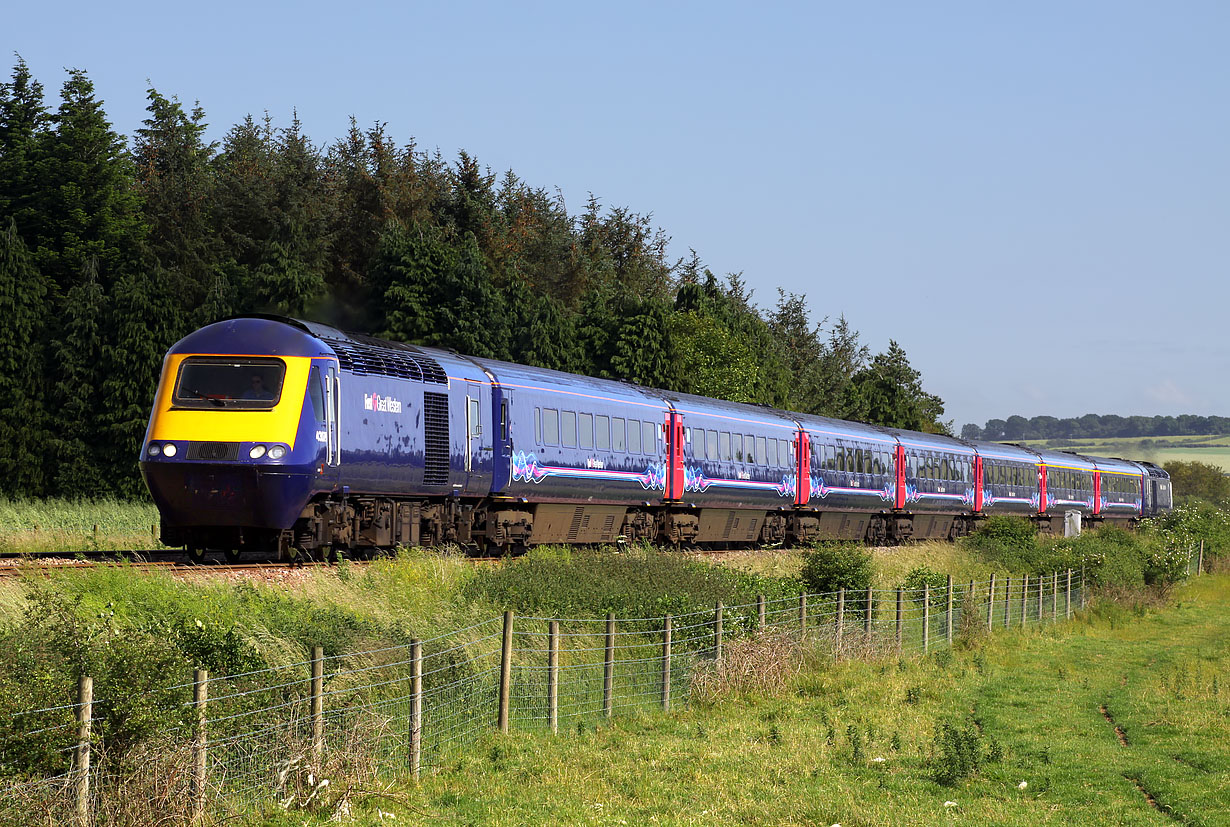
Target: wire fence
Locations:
point(221, 746)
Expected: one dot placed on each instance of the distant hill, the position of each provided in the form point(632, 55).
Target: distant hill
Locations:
point(1096, 426)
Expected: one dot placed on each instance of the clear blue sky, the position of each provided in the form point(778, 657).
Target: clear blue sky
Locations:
point(1034, 201)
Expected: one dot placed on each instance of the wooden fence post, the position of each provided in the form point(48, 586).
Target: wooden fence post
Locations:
point(608, 668)
point(200, 743)
point(717, 631)
point(416, 707)
point(948, 615)
point(900, 615)
point(1054, 596)
point(802, 617)
point(505, 670)
point(1007, 600)
point(841, 622)
point(666, 665)
point(870, 611)
point(991, 603)
point(926, 618)
point(81, 758)
point(1024, 599)
point(318, 705)
point(1200, 559)
point(760, 614)
point(553, 676)
point(1041, 580)
point(1084, 587)
point(1067, 596)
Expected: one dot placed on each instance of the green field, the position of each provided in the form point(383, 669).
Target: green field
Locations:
point(1044, 705)
point(1213, 449)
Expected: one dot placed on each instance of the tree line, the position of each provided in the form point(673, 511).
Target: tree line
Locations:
point(1094, 426)
point(111, 250)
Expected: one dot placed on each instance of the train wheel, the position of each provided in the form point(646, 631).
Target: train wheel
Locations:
point(196, 555)
point(232, 555)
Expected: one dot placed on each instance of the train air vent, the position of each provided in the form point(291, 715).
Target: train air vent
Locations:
point(403, 361)
point(435, 433)
point(217, 451)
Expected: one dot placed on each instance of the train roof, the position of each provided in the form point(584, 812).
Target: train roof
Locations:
point(1116, 465)
point(526, 377)
point(931, 442)
point(248, 335)
point(1007, 451)
point(827, 426)
point(734, 411)
point(1062, 459)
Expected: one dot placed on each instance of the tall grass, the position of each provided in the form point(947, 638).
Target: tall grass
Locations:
point(69, 525)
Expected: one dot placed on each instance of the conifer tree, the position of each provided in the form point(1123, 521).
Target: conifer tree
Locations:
point(23, 119)
point(77, 467)
point(143, 322)
point(22, 416)
point(892, 393)
point(176, 185)
point(86, 193)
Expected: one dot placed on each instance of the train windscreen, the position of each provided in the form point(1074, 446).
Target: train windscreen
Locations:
point(229, 384)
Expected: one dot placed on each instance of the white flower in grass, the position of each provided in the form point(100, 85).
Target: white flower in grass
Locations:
point(950, 803)
point(1022, 785)
point(879, 759)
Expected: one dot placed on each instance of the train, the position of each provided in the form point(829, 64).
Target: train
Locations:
point(297, 440)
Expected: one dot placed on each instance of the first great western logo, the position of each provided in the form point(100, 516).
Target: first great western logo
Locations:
point(384, 404)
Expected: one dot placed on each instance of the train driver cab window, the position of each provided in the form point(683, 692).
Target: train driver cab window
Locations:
point(316, 390)
point(550, 426)
point(214, 383)
point(617, 434)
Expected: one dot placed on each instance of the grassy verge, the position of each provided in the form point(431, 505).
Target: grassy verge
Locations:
point(1031, 718)
point(67, 525)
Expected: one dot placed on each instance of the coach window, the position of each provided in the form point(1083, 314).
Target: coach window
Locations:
point(648, 437)
point(568, 429)
point(762, 450)
point(737, 443)
point(586, 435)
point(617, 434)
point(550, 426)
point(782, 448)
point(634, 436)
point(724, 446)
point(602, 433)
point(711, 444)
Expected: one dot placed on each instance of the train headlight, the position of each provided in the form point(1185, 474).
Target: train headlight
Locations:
point(169, 449)
point(257, 451)
point(277, 452)
point(155, 450)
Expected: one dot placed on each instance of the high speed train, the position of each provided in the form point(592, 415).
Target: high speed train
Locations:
point(294, 438)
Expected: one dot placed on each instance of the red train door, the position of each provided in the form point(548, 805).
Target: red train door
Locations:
point(674, 454)
point(977, 484)
point(1097, 493)
point(899, 501)
point(1042, 489)
point(802, 490)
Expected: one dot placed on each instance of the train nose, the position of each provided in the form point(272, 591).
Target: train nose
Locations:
point(221, 495)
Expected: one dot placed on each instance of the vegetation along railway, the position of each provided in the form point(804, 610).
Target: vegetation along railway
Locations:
point(291, 438)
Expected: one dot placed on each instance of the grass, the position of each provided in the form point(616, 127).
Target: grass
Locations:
point(68, 525)
point(1031, 703)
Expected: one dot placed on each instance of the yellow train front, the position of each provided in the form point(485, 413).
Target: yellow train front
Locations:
point(242, 434)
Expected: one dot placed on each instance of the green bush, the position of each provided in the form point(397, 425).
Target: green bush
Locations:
point(828, 568)
point(921, 576)
point(1008, 541)
point(956, 753)
point(1187, 525)
point(639, 583)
